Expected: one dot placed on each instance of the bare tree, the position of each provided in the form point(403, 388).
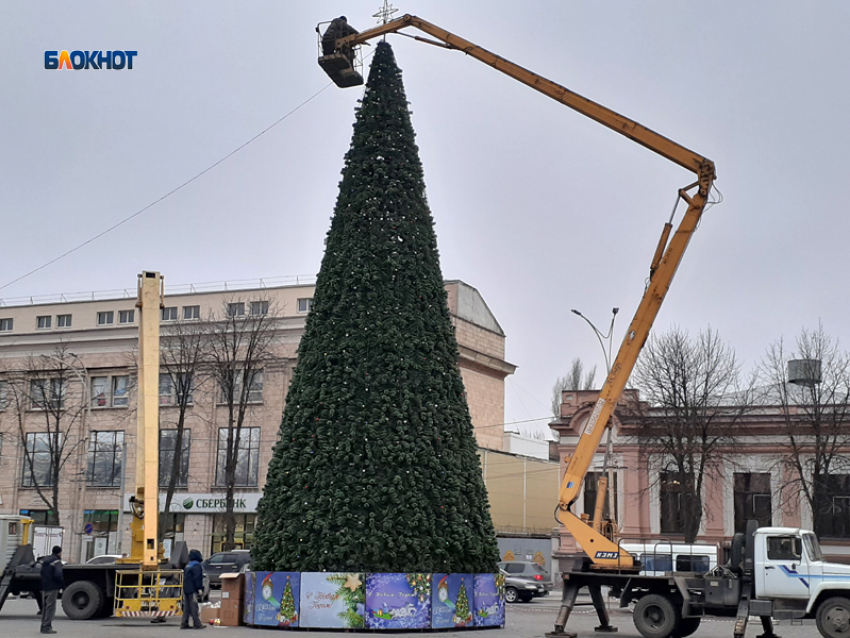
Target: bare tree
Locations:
point(575, 379)
point(239, 349)
point(49, 419)
point(815, 423)
point(184, 351)
point(694, 398)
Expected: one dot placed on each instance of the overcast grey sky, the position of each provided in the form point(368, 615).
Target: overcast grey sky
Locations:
point(539, 208)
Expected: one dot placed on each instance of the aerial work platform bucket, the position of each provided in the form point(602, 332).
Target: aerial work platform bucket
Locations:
point(340, 69)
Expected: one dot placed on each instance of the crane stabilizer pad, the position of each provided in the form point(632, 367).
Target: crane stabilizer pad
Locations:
point(339, 69)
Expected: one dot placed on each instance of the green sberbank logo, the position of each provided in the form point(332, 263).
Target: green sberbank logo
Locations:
point(188, 503)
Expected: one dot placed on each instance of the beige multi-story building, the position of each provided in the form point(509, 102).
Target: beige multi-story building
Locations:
point(73, 358)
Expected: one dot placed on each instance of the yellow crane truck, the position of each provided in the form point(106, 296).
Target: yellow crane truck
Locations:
point(774, 572)
point(142, 584)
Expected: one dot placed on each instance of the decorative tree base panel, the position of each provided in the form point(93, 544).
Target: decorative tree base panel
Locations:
point(373, 602)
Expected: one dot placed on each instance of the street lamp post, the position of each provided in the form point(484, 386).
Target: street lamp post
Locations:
point(606, 468)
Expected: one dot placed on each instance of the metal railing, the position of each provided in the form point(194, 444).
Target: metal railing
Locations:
point(170, 290)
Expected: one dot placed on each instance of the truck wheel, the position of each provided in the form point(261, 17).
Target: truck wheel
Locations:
point(688, 626)
point(82, 600)
point(655, 616)
point(834, 617)
point(511, 595)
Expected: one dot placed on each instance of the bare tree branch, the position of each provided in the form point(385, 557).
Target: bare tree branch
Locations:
point(687, 427)
point(815, 424)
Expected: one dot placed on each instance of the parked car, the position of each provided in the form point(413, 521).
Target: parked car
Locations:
point(528, 571)
point(520, 589)
point(106, 559)
point(103, 559)
point(225, 563)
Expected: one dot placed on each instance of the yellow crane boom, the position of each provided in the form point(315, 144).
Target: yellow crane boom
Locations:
point(603, 551)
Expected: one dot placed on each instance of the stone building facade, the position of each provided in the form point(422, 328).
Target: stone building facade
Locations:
point(88, 347)
point(747, 484)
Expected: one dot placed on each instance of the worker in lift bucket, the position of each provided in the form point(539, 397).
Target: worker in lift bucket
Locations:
point(338, 28)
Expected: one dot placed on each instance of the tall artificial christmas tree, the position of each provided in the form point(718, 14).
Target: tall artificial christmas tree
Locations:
point(377, 467)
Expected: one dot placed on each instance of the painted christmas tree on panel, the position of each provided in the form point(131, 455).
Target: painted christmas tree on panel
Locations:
point(377, 467)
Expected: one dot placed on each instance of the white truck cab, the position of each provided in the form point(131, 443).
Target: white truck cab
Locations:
point(789, 564)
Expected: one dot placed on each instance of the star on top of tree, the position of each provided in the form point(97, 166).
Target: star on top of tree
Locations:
point(385, 13)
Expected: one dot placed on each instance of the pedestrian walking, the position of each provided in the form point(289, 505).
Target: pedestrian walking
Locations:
point(52, 581)
point(193, 584)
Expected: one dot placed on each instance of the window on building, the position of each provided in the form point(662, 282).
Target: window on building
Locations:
point(47, 394)
point(832, 506)
point(752, 500)
point(126, 316)
point(39, 517)
point(105, 318)
point(63, 321)
point(259, 308)
point(4, 396)
point(176, 387)
point(38, 466)
point(168, 450)
point(305, 305)
point(243, 537)
point(191, 312)
point(120, 391)
point(43, 322)
point(671, 493)
point(173, 524)
point(6, 325)
point(246, 473)
point(104, 525)
point(111, 391)
point(169, 314)
point(590, 491)
point(104, 459)
point(255, 388)
point(99, 392)
point(236, 309)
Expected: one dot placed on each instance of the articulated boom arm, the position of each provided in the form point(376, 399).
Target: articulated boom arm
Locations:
point(604, 552)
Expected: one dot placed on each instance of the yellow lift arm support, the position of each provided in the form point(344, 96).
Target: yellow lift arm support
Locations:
point(603, 551)
point(145, 547)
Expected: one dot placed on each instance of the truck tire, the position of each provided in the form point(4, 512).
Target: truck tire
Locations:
point(833, 617)
point(688, 626)
point(656, 616)
point(736, 553)
point(511, 595)
point(82, 600)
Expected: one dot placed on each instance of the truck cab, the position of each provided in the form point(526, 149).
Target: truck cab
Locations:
point(789, 565)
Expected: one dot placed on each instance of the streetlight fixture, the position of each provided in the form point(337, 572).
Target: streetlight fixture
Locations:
point(605, 353)
point(607, 469)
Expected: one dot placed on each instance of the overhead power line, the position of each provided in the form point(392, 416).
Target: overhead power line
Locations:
point(167, 195)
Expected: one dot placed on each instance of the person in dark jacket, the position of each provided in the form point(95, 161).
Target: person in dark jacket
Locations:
point(52, 581)
point(193, 585)
point(338, 28)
